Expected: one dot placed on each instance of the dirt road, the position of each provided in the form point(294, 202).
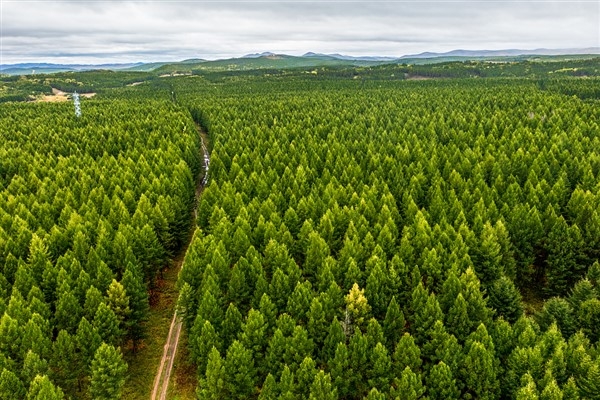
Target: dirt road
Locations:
point(161, 381)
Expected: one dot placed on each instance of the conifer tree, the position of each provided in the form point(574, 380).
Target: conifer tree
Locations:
point(299, 347)
point(340, 370)
point(393, 324)
point(42, 389)
point(287, 386)
point(434, 348)
point(68, 311)
point(186, 304)
point(558, 310)
point(457, 319)
point(563, 264)
point(450, 290)
point(335, 336)
point(476, 304)
point(441, 384)
point(581, 292)
point(11, 387)
point(374, 333)
point(269, 389)
point(64, 361)
point(407, 354)
point(487, 257)
point(118, 302)
point(551, 392)
point(321, 388)
point(108, 373)
point(357, 307)
point(589, 384)
point(570, 390)
point(502, 335)
point(88, 340)
point(254, 337)
point(209, 308)
point(134, 287)
point(505, 298)
point(93, 298)
point(593, 275)
point(425, 318)
point(274, 357)
point(232, 325)
point(269, 312)
point(203, 339)
point(317, 323)
point(588, 317)
point(33, 338)
point(376, 290)
point(33, 365)
point(353, 274)
point(299, 302)
point(374, 394)
point(305, 375)
point(359, 362)
point(212, 386)
point(239, 372)
point(528, 389)
point(239, 289)
point(478, 372)
point(316, 252)
point(107, 324)
point(279, 288)
point(407, 386)
point(380, 373)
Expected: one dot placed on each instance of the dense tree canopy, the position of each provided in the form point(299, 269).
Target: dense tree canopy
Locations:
point(90, 210)
point(372, 237)
point(387, 234)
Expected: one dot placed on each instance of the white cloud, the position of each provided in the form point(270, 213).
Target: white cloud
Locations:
point(123, 31)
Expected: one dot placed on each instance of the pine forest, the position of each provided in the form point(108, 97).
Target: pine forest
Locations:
point(356, 234)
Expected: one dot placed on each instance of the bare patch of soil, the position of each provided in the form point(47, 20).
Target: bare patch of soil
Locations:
point(418, 78)
point(59, 95)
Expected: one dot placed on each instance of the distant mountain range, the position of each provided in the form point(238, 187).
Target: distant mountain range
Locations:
point(349, 58)
point(49, 68)
point(506, 53)
point(310, 59)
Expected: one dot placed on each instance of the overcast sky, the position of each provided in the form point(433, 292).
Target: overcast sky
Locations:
point(168, 30)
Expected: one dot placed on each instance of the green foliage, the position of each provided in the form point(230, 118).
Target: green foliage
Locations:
point(239, 372)
point(106, 323)
point(370, 230)
point(441, 384)
point(396, 228)
point(407, 386)
point(41, 388)
point(108, 373)
point(505, 298)
point(11, 386)
point(212, 386)
point(321, 388)
point(90, 208)
point(137, 295)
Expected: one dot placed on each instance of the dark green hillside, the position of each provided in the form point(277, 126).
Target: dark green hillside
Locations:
point(264, 62)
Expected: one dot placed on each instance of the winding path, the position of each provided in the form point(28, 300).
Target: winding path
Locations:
point(163, 375)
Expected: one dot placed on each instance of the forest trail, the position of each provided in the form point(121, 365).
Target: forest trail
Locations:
point(163, 375)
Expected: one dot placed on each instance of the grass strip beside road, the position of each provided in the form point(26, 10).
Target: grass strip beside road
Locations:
point(144, 363)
